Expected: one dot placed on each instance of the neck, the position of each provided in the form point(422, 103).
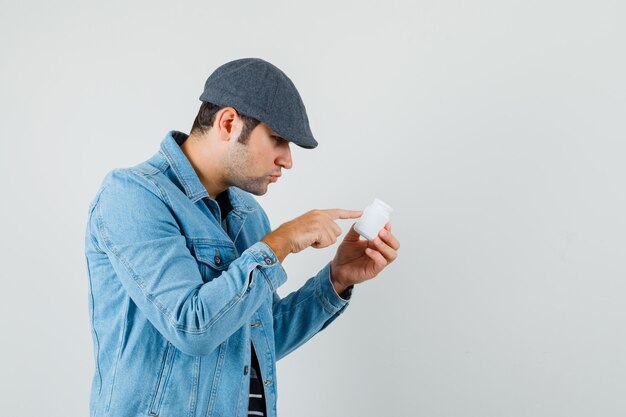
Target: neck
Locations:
point(205, 160)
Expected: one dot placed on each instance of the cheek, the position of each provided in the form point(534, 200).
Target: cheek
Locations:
point(263, 157)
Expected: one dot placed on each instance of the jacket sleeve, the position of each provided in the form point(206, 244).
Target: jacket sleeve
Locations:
point(133, 225)
point(305, 312)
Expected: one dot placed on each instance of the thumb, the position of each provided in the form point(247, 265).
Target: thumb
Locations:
point(352, 235)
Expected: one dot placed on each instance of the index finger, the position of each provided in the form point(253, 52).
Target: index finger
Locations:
point(343, 214)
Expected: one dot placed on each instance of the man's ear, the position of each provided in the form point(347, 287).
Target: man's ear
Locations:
point(225, 122)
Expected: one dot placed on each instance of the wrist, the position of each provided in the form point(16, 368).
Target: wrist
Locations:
point(279, 245)
point(339, 286)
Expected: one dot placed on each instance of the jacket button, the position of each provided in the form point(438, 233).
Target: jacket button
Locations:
point(218, 260)
point(245, 370)
point(268, 382)
point(269, 261)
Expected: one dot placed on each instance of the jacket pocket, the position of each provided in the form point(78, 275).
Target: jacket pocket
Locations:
point(161, 384)
point(213, 258)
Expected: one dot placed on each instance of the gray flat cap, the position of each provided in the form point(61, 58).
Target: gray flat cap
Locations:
point(258, 89)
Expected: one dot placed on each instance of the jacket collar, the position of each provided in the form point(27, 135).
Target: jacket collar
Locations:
point(186, 175)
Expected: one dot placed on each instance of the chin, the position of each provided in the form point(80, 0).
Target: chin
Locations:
point(257, 186)
point(255, 191)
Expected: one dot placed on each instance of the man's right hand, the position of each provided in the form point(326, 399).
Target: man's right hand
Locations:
point(317, 229)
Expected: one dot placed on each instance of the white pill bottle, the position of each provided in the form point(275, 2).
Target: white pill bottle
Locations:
point(373, 219)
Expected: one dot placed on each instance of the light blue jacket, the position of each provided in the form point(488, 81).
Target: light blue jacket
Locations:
point(175, 301)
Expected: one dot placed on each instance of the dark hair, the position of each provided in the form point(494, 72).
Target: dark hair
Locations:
point(206, 117)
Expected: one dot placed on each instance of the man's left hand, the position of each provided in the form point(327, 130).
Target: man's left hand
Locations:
point(358, 260)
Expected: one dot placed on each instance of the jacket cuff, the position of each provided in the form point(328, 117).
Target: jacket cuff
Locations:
point(269, 266)
point(325, 291)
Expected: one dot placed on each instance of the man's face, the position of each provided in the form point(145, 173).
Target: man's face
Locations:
point(254, 165)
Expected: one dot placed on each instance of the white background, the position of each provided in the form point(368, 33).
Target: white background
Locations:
point(495, 129)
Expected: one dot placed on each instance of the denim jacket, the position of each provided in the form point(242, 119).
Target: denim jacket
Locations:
point(175, 301)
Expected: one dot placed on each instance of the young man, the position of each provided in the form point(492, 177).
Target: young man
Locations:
point(183, 266)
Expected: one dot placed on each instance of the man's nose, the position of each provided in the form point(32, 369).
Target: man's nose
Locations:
point(284, 159)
